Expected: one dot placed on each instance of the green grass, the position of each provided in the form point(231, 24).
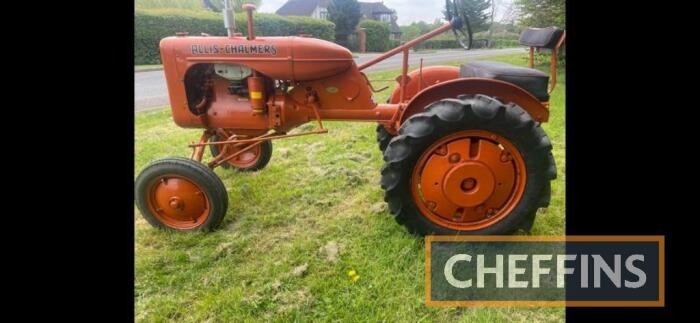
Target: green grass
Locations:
point(147, 67)
point(316, 189)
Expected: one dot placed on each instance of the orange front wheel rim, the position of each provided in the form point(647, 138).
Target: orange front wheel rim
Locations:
point(177, 202)
point(468, 180)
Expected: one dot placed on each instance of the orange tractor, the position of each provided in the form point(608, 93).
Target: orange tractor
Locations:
point(463, 148)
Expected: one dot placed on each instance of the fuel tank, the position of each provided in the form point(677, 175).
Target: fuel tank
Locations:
point(281, 58)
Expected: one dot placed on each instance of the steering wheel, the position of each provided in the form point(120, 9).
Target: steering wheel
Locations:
point(460, 23)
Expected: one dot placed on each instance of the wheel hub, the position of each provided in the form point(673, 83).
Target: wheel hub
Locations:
point(468, 180)
point(468, 184)
point(178, 202)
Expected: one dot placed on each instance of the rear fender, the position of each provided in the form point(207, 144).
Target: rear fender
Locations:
point(504, 91)
point(422, 79)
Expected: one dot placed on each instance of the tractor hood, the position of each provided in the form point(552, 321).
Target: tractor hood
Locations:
point(282, 58)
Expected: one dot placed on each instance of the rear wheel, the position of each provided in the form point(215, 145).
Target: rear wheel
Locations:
point(181, 194)
point(383, 137)
point(468, 166)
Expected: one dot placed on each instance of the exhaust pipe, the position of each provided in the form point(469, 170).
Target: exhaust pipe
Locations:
point(229, 21)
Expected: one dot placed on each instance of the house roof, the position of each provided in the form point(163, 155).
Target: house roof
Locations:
point(307, 7)
point(301, 7)
point(368, 9)
point(395, 29)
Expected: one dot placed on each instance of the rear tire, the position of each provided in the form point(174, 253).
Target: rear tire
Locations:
point(181, 194)
point(383, 137)
point(412, 151)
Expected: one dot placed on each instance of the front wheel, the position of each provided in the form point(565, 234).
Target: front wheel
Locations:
point(181, 194)
point(471, 165)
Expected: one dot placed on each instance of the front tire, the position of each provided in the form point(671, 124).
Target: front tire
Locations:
point(181, 194)
point(471, 165)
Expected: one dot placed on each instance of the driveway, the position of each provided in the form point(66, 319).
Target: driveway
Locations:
point(150, 91)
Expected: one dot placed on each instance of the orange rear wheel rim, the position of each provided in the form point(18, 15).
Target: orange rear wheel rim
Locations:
point(246, 159)
point(468, 180)
point(177, 202)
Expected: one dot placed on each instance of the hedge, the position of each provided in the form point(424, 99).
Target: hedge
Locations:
point(476, 43)
point(150, 26)
point(480, 40)
point(377, 35)
point(438, 44)
point(393, 43)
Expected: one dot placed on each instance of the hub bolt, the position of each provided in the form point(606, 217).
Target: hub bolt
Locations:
point(442, 150)
point(506, 157)
point(468, 184)
point(490, 213)
point(175, 202)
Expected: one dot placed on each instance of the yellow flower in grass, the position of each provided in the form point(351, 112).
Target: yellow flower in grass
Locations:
point(353, 275)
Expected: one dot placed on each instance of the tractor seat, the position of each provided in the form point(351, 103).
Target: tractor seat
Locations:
point(531, 80)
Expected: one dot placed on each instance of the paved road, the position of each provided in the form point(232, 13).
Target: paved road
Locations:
point(151, 92)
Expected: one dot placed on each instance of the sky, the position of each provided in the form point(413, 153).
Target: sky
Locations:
point(406, 10)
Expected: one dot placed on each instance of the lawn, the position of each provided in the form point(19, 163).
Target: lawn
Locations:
point(294, 230)
point(151, 67)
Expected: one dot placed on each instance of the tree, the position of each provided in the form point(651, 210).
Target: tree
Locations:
point(418, 28)
point(345, 14)
point(477, 11)
point(493, 15)
point(377, 34)
point(541, 13)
